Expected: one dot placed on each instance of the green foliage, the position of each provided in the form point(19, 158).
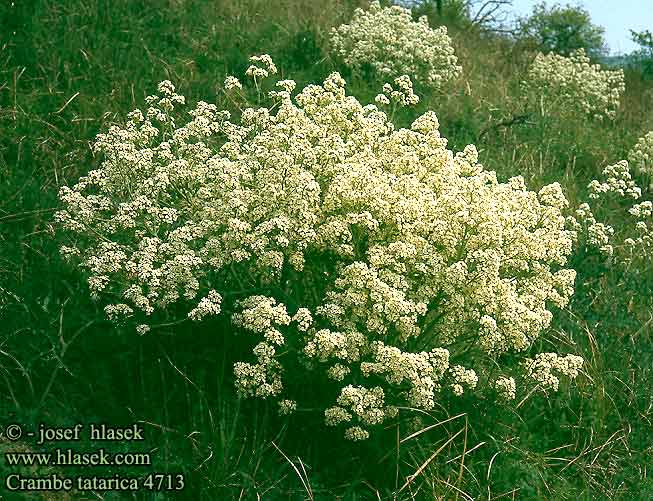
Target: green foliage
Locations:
point(450, 12)
point(644, 55)
point(562, 29)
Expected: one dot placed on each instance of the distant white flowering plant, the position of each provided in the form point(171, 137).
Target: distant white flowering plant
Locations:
point(634, 241)
point(364, 259)
point(641, 157)
point(559, 84)
point(392, 44)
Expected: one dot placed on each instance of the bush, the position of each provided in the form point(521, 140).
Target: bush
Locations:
point(562, 85)
point(562, 30)
point(366, 260)
point(644, 55)
point(388, 41)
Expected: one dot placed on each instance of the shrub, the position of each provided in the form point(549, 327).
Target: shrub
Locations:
point(370, 261)
point(644, 55)
point(388, 41)
point(562, 30)
point(560, 85)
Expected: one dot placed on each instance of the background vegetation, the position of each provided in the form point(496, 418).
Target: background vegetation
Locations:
point(562, 29)
point(69, 69)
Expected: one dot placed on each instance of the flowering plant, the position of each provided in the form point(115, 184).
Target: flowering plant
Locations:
point(357, 255)
point(561, 84)
point(392, 44)
point(641, 157)
point(635, 240)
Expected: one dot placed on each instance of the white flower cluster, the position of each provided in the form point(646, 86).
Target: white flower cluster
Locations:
point(617, 179)
point(559, 84)
point(389, 41)
point(540, 369)
point(462, 378)
point(287, 407)
point(641, 157)
point(260, 314)
point(642, 211)
point(357, 255)
point(635, 239)
point(420, 371)
point(506, 388)
point(262, 379)
point(231, 82)
point(358, 404)
point(263, 67)
point(597, 235)
point(210, 305)
point(404, 96)
point(641, 242)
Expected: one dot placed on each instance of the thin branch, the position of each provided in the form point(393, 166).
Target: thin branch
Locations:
point(507, 123)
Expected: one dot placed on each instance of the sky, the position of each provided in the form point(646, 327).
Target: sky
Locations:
point(618, 17)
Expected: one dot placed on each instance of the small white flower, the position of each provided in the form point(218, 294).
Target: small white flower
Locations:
point(231, 83)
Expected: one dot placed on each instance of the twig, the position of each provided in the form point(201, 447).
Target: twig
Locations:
point(419, 470)
point(509, 122)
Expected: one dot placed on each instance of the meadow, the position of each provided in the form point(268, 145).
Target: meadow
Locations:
point(70, 70)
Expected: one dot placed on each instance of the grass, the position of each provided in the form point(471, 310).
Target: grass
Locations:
point(70, 69)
